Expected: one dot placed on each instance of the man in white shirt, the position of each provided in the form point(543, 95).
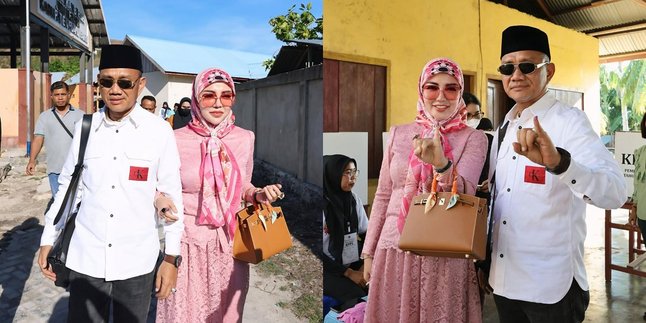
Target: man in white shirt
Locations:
point(549, 164)
point(131, 160)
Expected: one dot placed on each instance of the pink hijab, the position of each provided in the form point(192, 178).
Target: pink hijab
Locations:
point(221, 178)
point(423, 172)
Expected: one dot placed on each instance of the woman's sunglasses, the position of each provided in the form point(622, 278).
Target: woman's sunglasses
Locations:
point(208, 99)
point(525, 68)
point(432, 91)
point(124, 84)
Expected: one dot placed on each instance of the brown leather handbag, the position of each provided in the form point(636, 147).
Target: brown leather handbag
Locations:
point(446, 224)
point(261, 233)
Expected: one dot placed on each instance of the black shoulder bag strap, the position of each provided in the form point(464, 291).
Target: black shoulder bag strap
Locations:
point(62, 124)
point(485, 265)
point(70, 194)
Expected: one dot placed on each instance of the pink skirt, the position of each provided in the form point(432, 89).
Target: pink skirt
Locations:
point(211, 285)
point(408, 288)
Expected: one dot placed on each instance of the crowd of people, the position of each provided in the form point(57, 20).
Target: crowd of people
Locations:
point(537, 171)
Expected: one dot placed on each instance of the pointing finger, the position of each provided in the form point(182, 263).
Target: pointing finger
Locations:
point(537, 127)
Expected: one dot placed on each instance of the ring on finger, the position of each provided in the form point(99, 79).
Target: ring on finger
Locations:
point(173, 290)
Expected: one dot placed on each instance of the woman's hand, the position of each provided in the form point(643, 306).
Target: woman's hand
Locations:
point(430, 151)
point(269, 194)
point(367, 268)
point(166, 208)
point(632, 215)
point(355, 276)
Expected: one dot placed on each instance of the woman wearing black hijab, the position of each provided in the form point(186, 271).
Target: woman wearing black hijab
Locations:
point(183, 114)
point(344, 226)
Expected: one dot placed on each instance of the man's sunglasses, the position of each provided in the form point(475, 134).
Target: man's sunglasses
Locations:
point(525, 68)
point(124, 84)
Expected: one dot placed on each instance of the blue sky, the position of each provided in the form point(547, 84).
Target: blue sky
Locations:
point(241, 25)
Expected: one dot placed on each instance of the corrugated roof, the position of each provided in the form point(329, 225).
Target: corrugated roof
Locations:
point(620, 25)
point(175, 57)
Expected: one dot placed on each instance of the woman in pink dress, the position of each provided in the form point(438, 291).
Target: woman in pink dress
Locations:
point(405, 287)
point(216, 166)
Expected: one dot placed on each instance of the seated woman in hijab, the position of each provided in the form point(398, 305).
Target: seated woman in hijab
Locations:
point(344, 225)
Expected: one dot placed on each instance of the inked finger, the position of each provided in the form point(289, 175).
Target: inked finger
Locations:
point(537, 126)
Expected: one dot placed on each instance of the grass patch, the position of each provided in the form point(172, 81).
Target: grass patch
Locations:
point(309, 307)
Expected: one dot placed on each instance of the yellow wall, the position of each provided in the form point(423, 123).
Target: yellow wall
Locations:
point(9, 102)
point(404, 35)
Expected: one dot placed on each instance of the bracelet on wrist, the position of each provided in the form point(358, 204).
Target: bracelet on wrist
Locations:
point(445, 168)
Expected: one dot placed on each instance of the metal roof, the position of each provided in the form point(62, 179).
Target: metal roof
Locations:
point(175, 57)
point(12, 13)
point(620, 25)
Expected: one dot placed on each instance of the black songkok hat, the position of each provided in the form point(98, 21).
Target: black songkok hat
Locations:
point(120, 56)
point(517, 38)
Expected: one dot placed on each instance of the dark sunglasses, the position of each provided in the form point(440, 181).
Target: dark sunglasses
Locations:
point(124, 84)
point(525, 68)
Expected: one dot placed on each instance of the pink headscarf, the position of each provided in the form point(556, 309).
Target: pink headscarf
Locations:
point(423, 172)
point(219, 171)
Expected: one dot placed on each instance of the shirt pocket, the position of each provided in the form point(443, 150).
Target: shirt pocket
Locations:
point(534, 178)
point(93, 169)
point(140, 165)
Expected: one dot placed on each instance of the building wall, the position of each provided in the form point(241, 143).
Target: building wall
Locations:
point(9, 107)
point(404, 37)
point(285, 112)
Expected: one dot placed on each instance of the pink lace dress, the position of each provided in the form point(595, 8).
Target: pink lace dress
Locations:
point(211, 285)
point(405, 287)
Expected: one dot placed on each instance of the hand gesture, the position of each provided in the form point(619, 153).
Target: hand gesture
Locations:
point(537, 146)
point(430, 151)
point(166, 209)
point(270, 193)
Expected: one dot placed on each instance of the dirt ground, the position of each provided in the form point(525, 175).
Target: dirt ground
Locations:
point(286, 288)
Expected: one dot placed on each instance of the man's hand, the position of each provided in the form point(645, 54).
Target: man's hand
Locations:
point(355, 276)
point(483, 282)
point(166, 280)
point(43, 264)
point(537, 146)
point(166, 209)
point(430, 151)
point(31, 167)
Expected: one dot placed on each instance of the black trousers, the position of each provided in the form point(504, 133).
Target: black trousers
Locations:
point(569, 309)
point(90, 299)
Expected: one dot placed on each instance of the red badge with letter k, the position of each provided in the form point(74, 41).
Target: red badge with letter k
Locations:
point(138, 173)
point(535, 175)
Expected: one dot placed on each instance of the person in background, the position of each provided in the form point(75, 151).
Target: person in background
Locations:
point(54, 128)
point(183, 114)
point(638, 216)
point(473, 109)
point(216, 166)
point(548, 165)
point(149, 103)
point(166, 111)
point(344, 226)
point(405, 287)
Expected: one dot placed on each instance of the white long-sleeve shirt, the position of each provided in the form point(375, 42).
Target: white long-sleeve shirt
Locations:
point(539, 228)
point(125, 164)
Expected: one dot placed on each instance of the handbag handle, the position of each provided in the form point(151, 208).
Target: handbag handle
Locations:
point(71, 189)
point(432, 198)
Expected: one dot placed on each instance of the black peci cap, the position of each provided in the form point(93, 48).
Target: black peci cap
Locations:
point(120, 56)
point(517, 38)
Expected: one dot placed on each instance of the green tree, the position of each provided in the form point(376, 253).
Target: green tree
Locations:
point(623, 96)
point(295, 25)
point(69, 65)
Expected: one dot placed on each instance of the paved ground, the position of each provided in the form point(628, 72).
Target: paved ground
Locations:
point(25, 296)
